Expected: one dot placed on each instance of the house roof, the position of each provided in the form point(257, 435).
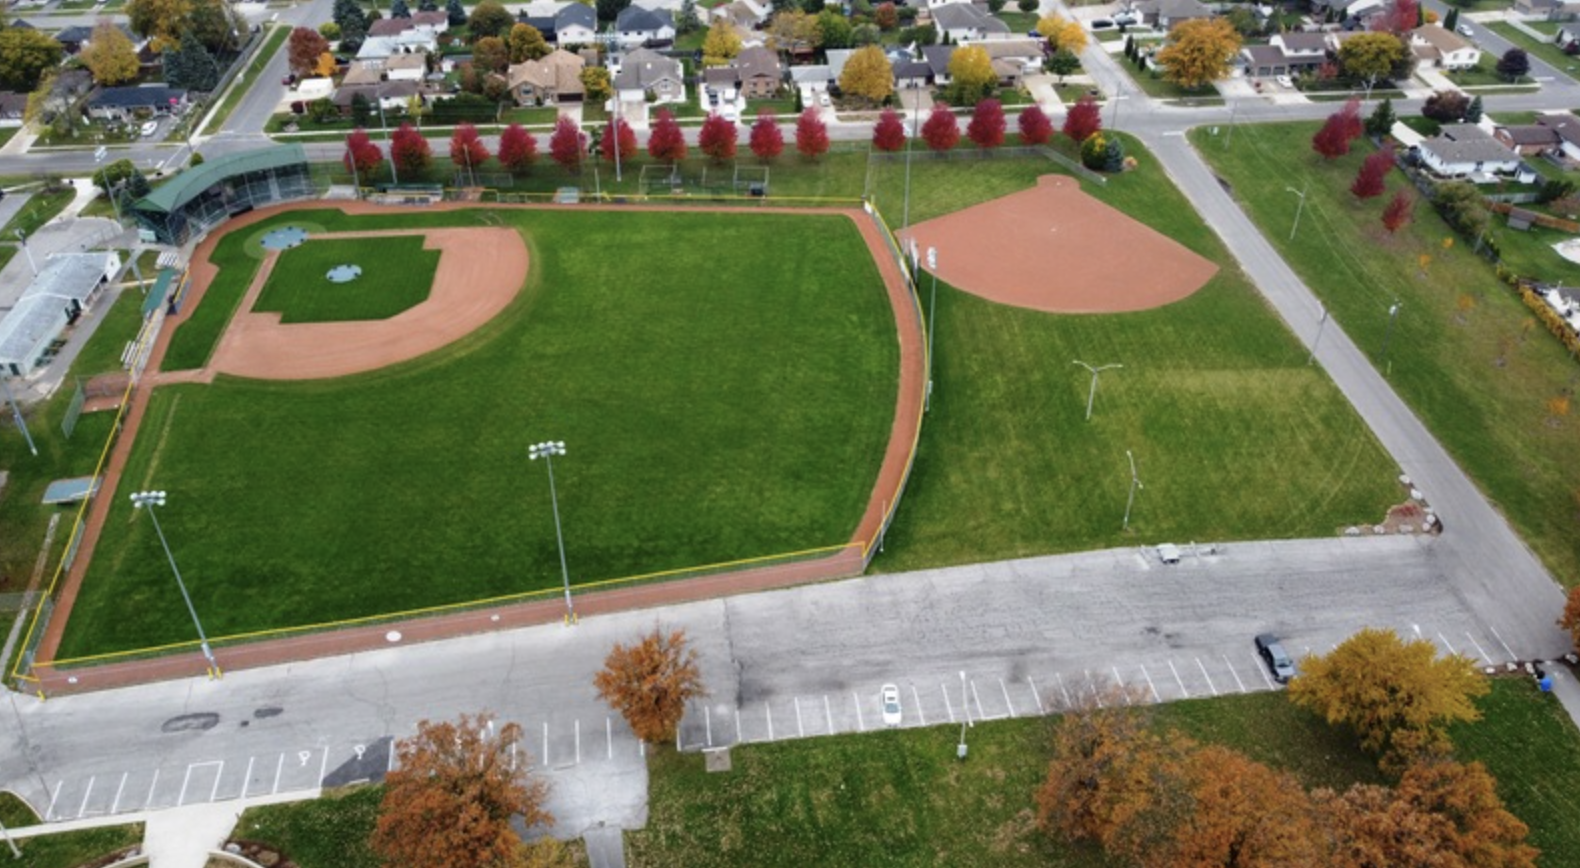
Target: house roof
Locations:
point(721, 75)
point(757, 62)
point(544, 24)
point(812, 74)
point(1443, 40)
point(966, 16)
point(390, 26)
point(1457, 144)
point(1304, 42)
point(1265, 55)
point(837, 58)
point(1531, 134)
point(635, 19)
point(912, 70)
point(22, 25)
point(369, 71)
point(146, 96)
point(40, 311)
point(405, 61)
point(75, 33)
point(558, 70)
point(1175, 10)
point(431, 19)
point(642, 68)
point(376, 91)
point(1009, 49)
point(937, 57)
point(576, 14)
point(190, 183)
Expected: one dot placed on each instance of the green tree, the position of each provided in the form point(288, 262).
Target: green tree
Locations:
point(1062, 63)
point(1451, 20)
point(455, 12)
point(1514, 64)
point(596, 83)
point(971, 71)
point(1474, 110)
point(1399, 697)
point(24, 56)
point(834, 29)
point(489, 18)
point(216, 22)
point(1463, 206)
point(721, 44)
point(192, 67)
point(109, 55)
point(161, 21)
point(1382, 119)
point(868, 75)
point(1199, 52)
point(1370, 57)
point(687, 21)
point(609, 10)
point(527, 43)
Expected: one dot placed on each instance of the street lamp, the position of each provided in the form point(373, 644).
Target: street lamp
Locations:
point(151, 499)
point(547, 450)
point(1298, 208)
point(965, 706)
point(1393, 314)
point(16, 413)
point(21, 238)
point(932, 319)
point(1135, 483)
point(916, 110)
point(1092, 395)
point(1321, 323)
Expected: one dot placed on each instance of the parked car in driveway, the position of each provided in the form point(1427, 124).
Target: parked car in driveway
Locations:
point(890, 696)
point(1464, 30)
point(1284, 81)
point(1276, 658)
point(149, 128)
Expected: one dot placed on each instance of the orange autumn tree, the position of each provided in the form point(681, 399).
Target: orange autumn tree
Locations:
point(1244, 814)
point(1570, 620)
point(450, 803)
point(650, 682)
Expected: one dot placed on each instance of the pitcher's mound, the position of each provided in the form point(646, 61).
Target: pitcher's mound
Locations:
point(1056, 249)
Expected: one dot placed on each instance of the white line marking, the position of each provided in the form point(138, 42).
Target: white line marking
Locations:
point(707, 723)
point(278, 767)
point(1178, 680)
point(1265, 677)
point(578, 741)
point(799, 728)
point(115, 806)
point(1092, 688)
point(1447, 644)
point(948, 706)
point(82, 809)
point(981, 715)
point(181, 799)
point(1123, 693)
point(828, 711)
point(1204, 674)
point(1417, 629)
point(512, 756)
point(1479, 649)
point(48, 813)
point(770, 713)
point(1007, 704)
point(918, 697)
point(1512, 655)
point(246, 780)
point(1150, 686)
point(389, 756)
point(739, 736)
point(151, 785)
point(1234, 673)
point(1067, 703)
point(855, 700)
point(214, 793)
point(323, 766)
point(1036, 695)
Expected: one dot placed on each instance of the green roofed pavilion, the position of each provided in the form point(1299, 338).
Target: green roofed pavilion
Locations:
point(203, 196)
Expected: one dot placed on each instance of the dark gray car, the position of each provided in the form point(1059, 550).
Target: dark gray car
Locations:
point(1277, 659)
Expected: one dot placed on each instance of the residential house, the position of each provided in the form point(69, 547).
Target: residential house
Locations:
point(438, 22)
point(836, 60)
point(543, 23)
point(124, 103)
point(1468, 151)
point(389, 26)
point(388, 95)
point(12, 107)
point(937, 58)
point(555, 78)
point(639, 26)
point(1164, 14)
point(1024, 54)
point(968, 22)
point(430, 22)
point(1352, 13)
point(646, 74)
point(746, 14)
point(75, 39)
point(409, 41)
point(1286, 54)
point(1549, 9)
point(811, 80)
point(575, 24)
point(1436, 46)
point(912, 74)
point(1567, 127)
point(396, 67)
point(1528, 140)
point(758, 73)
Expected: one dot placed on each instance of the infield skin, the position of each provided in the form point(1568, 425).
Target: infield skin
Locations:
point(1054, 248)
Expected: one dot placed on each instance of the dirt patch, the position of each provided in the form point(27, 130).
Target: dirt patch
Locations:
point(1054, 248)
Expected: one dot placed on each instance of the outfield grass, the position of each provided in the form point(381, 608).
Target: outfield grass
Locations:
point(1443, 360)
point(397, 274)
point(901, 798)
point(715, 409)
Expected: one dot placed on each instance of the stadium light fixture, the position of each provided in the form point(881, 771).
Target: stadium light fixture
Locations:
point(148, 500)
point(547, 450)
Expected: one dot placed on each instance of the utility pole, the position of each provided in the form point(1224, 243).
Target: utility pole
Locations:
point(1135, 483)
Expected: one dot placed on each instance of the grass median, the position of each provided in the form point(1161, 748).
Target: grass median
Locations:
point(249, 76)
point(1464, 352)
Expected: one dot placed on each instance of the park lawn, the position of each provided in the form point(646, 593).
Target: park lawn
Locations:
point(6, 133)
point(901, 798)
point(40, 209)
point(707, 420)
point(1547, 51)
point(120, 324)
point(248, 77)
point(1019, 22)
point(74, 849)
point(1158, 87)
point(1530, 253)
point(1480, 380)
point(397, 274)
point(1234, 435)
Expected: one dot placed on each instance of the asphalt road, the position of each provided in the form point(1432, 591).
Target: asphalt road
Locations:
point(1026, 636)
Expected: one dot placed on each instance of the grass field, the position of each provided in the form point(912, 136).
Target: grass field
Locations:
point(714, 410)
point(397, 274)
point(900, 798)
point(1478, 377)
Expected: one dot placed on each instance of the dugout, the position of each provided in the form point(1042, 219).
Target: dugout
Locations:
point(204, 196)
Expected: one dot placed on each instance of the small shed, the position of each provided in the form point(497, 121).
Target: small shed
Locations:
point(1521, 219)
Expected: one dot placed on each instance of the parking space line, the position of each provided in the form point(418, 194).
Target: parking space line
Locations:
point(861, 725)
point(918, 697)
point(1178, 680)
point(579, 737)
point(1210, 685)
point(1035, 695)
point(1092, 688)
point(151, 784)
point(1123, 693)
point(767, 709)
point(1150, 686)
point(545, 744)
point(82, 809)
point(707, 723)
point(1446, 644)
point(279, 767)
point(49, 812)
point(800, 729)
point(948, 706)
point(1007, 703)
point(1067, 703)
point(981, 715)
point(214, 793)
point(828, 711)
point(115, 806)
point(1234, 673)
point(1265, 677)
point(246, 778)
point(1506, 648)
point(1479, 650)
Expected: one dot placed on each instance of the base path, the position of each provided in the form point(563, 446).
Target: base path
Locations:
point(848, 561)
point(1056, 249)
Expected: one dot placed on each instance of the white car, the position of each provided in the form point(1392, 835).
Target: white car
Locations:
point(149, 128)
point(890, 696)
point(1464, 30)
point(1284, 81)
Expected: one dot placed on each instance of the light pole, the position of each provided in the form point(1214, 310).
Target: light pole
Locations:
point(547, 450)
point(1393, 314)
point(965, 706)
point(905, 216)
point(388, 143)
point(1298, 208)
point(932, 319)
point(151, 499)
point(1092, 395)
point(16, 413)
point(1135, 483)
point(22, 239)
point(1321, 323)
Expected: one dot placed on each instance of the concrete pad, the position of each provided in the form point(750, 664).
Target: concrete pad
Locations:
point(182, 837)
point(605, 847)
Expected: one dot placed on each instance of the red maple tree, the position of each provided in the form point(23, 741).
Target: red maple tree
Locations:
point(1371, 179)
point(767, 141)
point(466, 148)
point(888, 134)
point(1398, 212)
point(811, 135)
point(1084, 119)
point(409, 150)
point(618, 137)
point(1035, 127)
point(1399, 18)
point(717, 138)
point(518, 149)
point(568, 144)
point(362, 156)
point(666, 141)
point(941, 131)
point(986, 129)
point(1333, 140)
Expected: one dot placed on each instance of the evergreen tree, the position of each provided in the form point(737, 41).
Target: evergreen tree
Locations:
point(399, 9)
point(687, 20)
point(191, 66)
point(137, 185)
point(427, 6)
point(1114, 157)
point(457, 13)
point(1451, 20)
point(1473, 112)
point(1130, 47)
point(361, 109)
point(1381, 120)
